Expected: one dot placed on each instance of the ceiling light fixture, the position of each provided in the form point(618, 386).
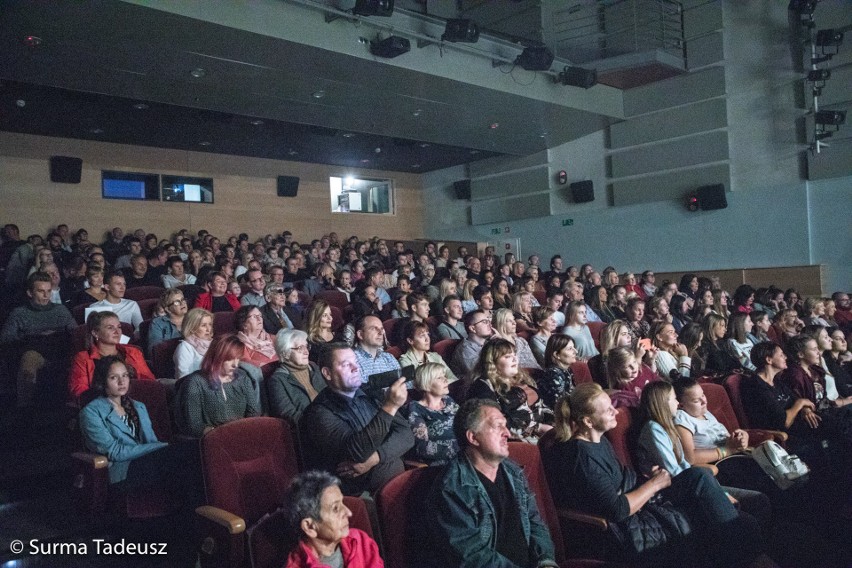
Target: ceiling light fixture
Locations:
point(535, 58)
point(461, 30)
point(349, 135)
point(256, 122)
point(32, 41)
point(417, 112)
point(198, 72)
point(140, 106)
point(318, 94)
point(96, 130)
point(205, 143)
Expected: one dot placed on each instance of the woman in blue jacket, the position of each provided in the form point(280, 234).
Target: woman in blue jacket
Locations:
point(119, 427)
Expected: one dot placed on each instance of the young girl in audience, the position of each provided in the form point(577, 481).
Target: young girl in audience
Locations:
point(558, 378)
point(660, 445)
point(814, 312)
point(673, 358)
point(635, 312)
point(680, 309)
point(658, 311)
point(504, 325)
point(500, 293)
point(720, 304)
point(692, 335)
point(838, 360)
point(739, 342)
point(716, 357)
point(577, 327)
point(615, 334)
point(499, 376)
point(627, 376)
point(597, 299)
point(760, 328)
point(431, 417)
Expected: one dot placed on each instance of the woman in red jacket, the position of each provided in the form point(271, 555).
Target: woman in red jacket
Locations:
point(104, 339)
point(217, 298)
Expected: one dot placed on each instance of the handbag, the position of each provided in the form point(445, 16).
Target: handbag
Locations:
point(784, 469)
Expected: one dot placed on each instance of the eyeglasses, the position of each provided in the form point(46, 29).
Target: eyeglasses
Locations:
point(277, 291)
point(299, 348)
point(180, 302)
point(482, 321)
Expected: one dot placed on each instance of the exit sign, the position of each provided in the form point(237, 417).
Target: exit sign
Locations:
point(567, 222)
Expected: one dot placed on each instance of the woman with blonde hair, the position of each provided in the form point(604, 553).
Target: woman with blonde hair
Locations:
point(627, 377)
point(197, 331)
point(522, 308)
point(673, 356)
point(431, 417)
point(716, 357)
point(498, 376)
point(167, 326)
point(504, 325)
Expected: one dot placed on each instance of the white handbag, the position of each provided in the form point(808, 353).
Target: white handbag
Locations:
point(784, 469)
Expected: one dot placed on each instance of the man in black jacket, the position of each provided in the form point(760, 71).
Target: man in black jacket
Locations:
point(345, 432)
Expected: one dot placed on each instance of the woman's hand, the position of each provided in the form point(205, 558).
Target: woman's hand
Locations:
point(738, 441)
point(812, 418)
point(660, 478)
point(681, 350)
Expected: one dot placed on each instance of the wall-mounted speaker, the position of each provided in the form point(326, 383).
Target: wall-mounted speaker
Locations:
point(65, 169)
point(582, 191)
point(712, 197)
point(288, 186)
point(462, 188)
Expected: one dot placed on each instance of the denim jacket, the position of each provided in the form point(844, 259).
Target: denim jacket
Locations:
point(464, 522)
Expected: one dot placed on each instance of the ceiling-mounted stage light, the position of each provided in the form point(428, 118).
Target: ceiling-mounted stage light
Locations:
point(390, 47)
point(382, 8)
point(461, 30)
point(535, 58)
point(830, 117)
point(829, 38)
point(818, 77)
point(804, 10)
point(578, 77)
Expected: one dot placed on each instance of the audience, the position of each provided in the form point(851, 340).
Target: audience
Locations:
point(274, 310)
point(168, 325)
point(127, 310)
point(297, 381)
point(418, 354)
point(197, 331)
point(505, 327)
point(558, 378)
point(369, 349)
point(259, 348)
point(466, 354)
point(431, 417)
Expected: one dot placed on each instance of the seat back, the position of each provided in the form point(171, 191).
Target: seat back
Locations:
point(248, 465)
point(333, 298)
point(223, 322)
point(143, 293)
point(162, 358)
point(337, 321)
point(733, 386)
point(153, 395)
point(79, 312)
point(445, 348)
point(720, 405)
point(581, 372)
point(142, 338)
point(529, 458)
point(595, 328)
point(401, 504)
point(148, 306)
point(619, 436)
point(395, 351)
point(390, 326)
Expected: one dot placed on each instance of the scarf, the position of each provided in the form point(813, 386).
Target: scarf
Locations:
point(200, 345)
point(302, 374)
point(262, 344)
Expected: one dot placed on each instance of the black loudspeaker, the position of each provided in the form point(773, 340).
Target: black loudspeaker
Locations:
point(582, 191)
point(288, 186)
point(462, 188)
point(390, 47)
point(712, 197)
point(65, 169)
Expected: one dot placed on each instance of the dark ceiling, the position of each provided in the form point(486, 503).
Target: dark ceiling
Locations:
point(119, 72)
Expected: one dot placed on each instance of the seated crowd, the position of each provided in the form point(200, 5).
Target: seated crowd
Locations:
point(378, 354)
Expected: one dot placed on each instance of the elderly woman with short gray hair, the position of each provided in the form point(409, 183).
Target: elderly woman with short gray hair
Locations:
point(296, 381)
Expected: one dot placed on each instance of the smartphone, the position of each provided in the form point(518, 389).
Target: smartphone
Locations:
point(645, 344)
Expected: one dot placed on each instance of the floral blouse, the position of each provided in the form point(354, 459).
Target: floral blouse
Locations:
point(434, 441)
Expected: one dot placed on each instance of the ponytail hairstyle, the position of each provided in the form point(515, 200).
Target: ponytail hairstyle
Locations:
point(654, 405)
point(572, 408)
point(99, 384)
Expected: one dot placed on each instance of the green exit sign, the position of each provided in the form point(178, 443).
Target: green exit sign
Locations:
point(496, 231)
point(567, 222)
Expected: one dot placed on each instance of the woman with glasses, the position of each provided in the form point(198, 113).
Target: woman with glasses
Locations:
point(167, 326)
point(274, 312)
point(297, 381)
point(259, 349)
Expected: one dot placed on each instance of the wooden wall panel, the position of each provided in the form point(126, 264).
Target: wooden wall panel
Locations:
point(245, 197)
point(808, 280)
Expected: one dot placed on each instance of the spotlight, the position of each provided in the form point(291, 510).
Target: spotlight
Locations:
point(382, 8)
point(804, 9)
point(578, 77)
point(463, 31)
point(829, 38)
point(535, 58)
point(390, 47)
point(818, 77)
point(830, 117)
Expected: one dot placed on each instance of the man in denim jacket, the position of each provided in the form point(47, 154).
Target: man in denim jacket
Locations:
point(481, 509)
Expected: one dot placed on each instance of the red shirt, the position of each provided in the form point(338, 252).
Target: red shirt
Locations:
point(205, 301)
point(83, 367)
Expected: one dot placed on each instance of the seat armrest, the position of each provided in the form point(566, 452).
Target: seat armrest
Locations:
point(233, 523)
point(413, 464)
point(599, 523)
point(757, 436)
point(95, 461)
point(713, 469)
